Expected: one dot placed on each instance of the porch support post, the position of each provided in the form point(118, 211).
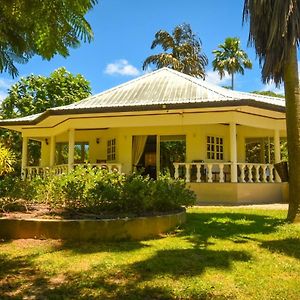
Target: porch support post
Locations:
point(233, 152)
point(24, 157)
point(157, 155)
point(277, 151)
point(52, 151)
point(71, 149)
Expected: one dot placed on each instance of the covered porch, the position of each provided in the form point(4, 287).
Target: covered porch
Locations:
point(210, 153)
point(217, 140)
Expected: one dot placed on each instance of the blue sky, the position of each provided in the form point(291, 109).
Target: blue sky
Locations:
point(124, 31)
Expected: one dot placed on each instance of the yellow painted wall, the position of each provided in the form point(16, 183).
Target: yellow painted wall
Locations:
point(195, 141)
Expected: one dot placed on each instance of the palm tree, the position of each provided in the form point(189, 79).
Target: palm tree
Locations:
point(275, 33)
point(182, 52)
point(231, 59)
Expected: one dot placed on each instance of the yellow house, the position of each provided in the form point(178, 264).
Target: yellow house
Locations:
point(224, 143)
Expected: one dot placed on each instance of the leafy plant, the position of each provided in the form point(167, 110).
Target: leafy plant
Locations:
point(7, 160)
point(93, 190)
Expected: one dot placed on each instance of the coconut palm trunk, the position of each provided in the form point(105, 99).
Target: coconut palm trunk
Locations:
point(232, 81)
point(292, 93)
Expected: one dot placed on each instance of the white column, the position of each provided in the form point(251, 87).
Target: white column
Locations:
point(71, 149)
point(52, 151)
point(233, 152)
point(157, 155)
point(24, 156)
point(277, 151)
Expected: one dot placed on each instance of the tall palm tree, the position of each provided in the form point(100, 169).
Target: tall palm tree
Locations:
point(231, 59)
point(275, 33)
point(182, 52)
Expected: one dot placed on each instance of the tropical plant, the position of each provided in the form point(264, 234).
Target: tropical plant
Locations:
point(7, 160)
point(45, 28)
point(230, 58)
point(275, 33)
point(34, 94)
point(181, 52)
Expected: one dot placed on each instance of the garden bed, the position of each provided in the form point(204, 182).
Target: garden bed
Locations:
point(83, 227)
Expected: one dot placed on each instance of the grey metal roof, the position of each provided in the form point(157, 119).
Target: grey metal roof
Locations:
point(162, 87)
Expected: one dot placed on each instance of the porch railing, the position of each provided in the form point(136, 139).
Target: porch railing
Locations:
point(221, 172)
point(31, 172)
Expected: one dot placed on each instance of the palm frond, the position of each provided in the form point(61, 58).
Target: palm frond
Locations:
point(274, 28)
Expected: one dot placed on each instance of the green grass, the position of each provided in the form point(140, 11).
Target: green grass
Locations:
point(218, 254)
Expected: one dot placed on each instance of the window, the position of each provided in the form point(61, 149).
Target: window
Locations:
point(215, 148)
point(81, 153)
point(111, 149)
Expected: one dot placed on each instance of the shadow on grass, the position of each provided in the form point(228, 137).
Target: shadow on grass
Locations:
point(187, 262)
point(98, 246)
point(21, 278)
point(290, 246)
point(200, 227)
point(18, 276)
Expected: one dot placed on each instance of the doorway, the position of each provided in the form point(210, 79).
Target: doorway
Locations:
point(172, 149)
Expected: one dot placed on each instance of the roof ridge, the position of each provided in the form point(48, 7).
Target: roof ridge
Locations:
point(206, 84)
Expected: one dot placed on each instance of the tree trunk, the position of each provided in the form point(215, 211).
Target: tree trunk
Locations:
point(292, 94)
point(232, 80)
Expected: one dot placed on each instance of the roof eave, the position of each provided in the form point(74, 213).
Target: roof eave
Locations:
point(158, 107)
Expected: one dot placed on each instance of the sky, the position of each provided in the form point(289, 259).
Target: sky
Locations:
point(125, 29)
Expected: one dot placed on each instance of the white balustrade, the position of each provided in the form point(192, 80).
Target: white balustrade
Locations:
point(202, 172)
point(259, 173)
point(31, 172)
point(220, 172)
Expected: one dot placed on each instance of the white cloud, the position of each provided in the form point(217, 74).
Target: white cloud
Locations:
point(5, 84)
point(121, 67)
point(214, 78)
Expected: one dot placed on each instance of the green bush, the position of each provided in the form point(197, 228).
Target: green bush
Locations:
point(93, 190)
point(15, 194)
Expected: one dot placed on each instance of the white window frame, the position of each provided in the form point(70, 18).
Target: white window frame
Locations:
point(215, 147)
point(111, 149)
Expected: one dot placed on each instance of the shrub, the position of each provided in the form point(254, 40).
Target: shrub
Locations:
point(15, 194)
point(170, 194)
point(94, 190)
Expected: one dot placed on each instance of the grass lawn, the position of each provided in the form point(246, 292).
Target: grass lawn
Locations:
point(219, 254)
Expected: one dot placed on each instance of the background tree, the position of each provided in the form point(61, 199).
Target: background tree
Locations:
point(44, 28)
point(231, 59)
point(182, 52)
point(34, 94)
point(275, 33)
point(268, 93)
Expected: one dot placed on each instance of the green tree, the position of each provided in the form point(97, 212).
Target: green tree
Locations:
point(45, 28)
point(275, 33)
point(268, 93)
point(34, 94)
point(182, 52)
point(231, 59)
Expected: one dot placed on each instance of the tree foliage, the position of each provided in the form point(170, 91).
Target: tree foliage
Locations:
point(275, 33)
point(182, 51)
point(45, 28)
point(268, 93)
point(230, 58)
point(35, 93)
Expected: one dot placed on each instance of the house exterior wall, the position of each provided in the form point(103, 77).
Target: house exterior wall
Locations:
point(240, 193)
point(196, 141)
